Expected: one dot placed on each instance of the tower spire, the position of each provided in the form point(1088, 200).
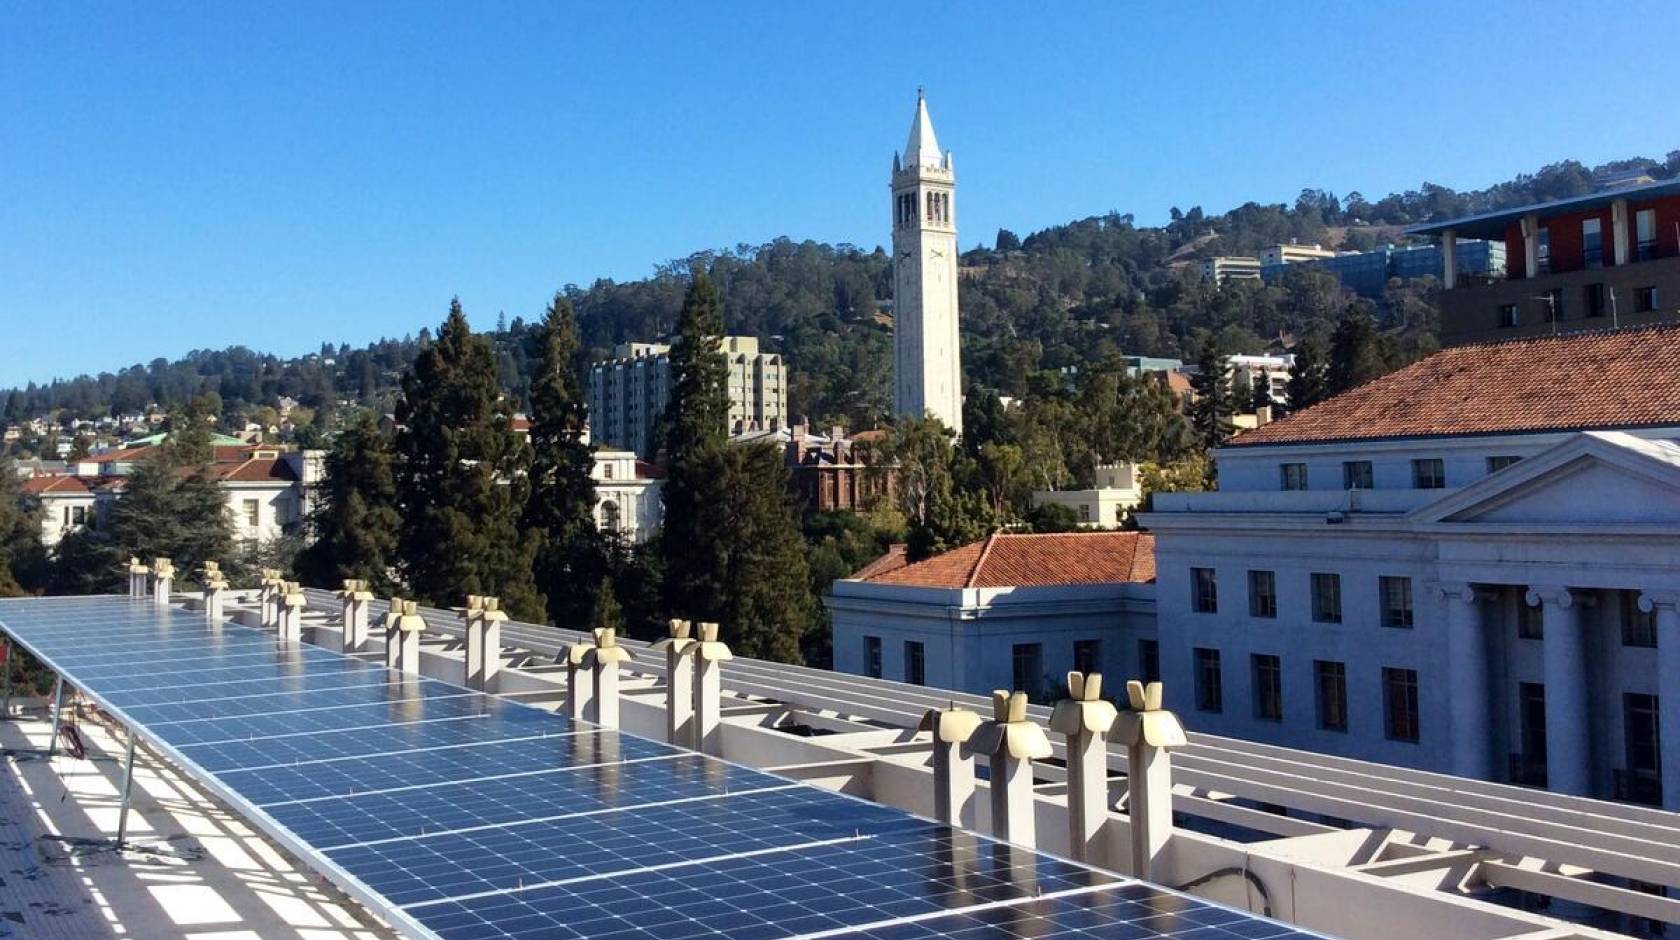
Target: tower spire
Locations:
point(922, 149)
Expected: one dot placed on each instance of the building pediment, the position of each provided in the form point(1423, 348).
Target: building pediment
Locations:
point(1594, 478)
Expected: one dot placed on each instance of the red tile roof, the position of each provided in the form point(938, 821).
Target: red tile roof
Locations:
point(265, 470)
point(1010, 559)
point(57, 485)
point(892, 560)
point(1572, 382)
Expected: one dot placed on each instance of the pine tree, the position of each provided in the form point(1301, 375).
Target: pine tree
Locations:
point(355, 522)
point(461, 478)
point(1307, 378)
point(1262, 392)
point(731, 543)
point(168, 508)
point(572, 560)
point(1211, 412)
point(21, 554)
point(1355, 354)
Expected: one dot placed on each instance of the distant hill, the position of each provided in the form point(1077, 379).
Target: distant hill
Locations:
point(1060, 298)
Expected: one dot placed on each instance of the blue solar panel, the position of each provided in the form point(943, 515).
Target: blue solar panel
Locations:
point(461, 816)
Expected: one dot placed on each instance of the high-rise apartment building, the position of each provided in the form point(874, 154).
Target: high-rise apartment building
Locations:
point(628, 393)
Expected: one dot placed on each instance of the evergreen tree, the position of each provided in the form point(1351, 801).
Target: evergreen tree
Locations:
point(168, 508)
point(571, 564)
point(355, 522)
point(461, 477)
point(21, 554)
point(1262, 393)
point(1210, 414)
point(731, 545)
point(1355, 354)
point(1307, 379)
point(605, 611)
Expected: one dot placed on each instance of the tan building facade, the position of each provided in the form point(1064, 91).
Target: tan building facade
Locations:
point(628, 393)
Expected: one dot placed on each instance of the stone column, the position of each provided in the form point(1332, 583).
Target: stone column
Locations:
point(489, 653)
point(1150, 733)
point(393, 634)
point(1011, 742)
point(137, 574)
point(1531, 245)
point(355, 596)
point(1568, 712)
point(953, 765)
point(709, 656)
point(289, 603)
point(580, 682)
point(409, 628)
point(163, 575)
point(1084, 719)
point(1467, 681)
point(604, 662)
point(678, 647)
point(472, 615)
point(215, 594)
point(1666, 605)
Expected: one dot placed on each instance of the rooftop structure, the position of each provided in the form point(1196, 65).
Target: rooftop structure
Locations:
point(1117, 492)
point(927, 357)
point(628, 394)
point(1350, 848)
point(1466, 566)
point(454, 815)
point(1228, 267)
point(1610, 258)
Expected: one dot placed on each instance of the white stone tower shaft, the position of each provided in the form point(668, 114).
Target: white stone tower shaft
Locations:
point(927, 358)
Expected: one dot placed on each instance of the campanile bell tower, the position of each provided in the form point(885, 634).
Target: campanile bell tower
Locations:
point(927, 363)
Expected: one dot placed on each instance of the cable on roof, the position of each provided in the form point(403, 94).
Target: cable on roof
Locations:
point(1248, 876)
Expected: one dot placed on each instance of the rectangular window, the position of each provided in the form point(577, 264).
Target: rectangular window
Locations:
point(1529, 622)
point(1496, 464)
point(1356, 475)
point(872, 657)
point(1210, 691)
point(1638, 627)
point(1204, 591)
point(1294, 476)
point(253, 513)
point(1087, 656)
point(78, 516)
point(1543, 251)
point(1149, 661)
point(1508, 316)
point(1262, 594)
point(1396, 601)
point(1429, 473)
point(1645, 233)
point(1326, 597)
point(1268, 687)
point(915, 663)
point(1330, 682)
point(1592, 299)
point(1027, 662)
point(1592, 242)
point(1644, 299)
point(1400, 704)
point(1640, 733)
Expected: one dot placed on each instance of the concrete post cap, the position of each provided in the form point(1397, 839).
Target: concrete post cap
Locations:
point(474, 608)
point(411, 621)
point(710, 648)
point(679, 637)
point(355, 590)
point(135, 567)
point(493, 610)
point(292, 594)
point(1084, 709)
point(393, 615)
point(606, 650)
point(1146, 722)
point(952, 725)
point(164, 568)
point(1010, 731)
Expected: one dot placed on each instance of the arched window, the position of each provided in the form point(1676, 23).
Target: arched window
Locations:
point(610, 520)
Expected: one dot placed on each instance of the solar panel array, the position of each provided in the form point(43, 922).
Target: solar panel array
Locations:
point(462, 816)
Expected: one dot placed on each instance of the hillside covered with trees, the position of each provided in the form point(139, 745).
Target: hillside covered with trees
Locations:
point(1034, 308)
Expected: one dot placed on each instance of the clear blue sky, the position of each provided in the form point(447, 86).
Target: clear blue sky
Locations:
point(277, 175)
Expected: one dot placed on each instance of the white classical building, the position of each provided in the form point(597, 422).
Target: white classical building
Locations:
point(1012, 611)
point(628, 498)
point(1470, 566)
point(927, 361)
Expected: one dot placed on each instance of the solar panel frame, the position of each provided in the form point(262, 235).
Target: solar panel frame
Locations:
point(865, 858)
